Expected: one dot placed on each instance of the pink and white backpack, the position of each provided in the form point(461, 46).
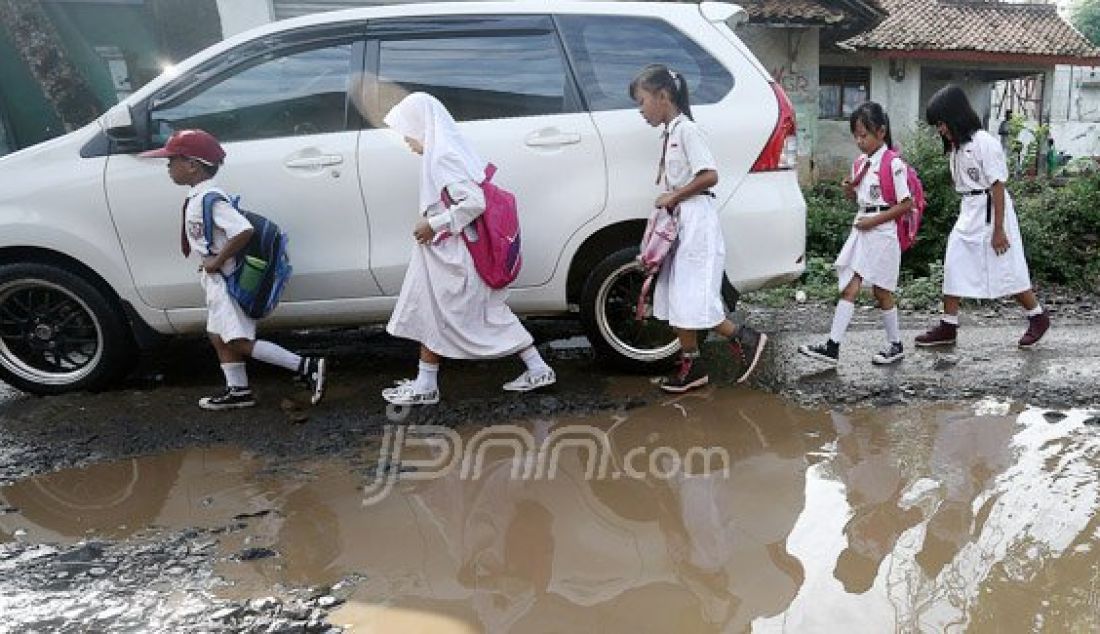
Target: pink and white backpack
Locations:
point(907, 224)
point(496, 251)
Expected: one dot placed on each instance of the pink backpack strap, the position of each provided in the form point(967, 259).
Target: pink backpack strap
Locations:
point(859, 167)
point(886, 177)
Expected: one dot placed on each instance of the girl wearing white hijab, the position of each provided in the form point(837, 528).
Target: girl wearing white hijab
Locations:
point(444, 304)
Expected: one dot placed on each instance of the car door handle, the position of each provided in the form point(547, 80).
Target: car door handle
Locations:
point(540, 139)
point(325, 160)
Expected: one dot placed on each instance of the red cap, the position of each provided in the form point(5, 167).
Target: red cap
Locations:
point(193, 144)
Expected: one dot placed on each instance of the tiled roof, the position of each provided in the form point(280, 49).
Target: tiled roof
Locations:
point(814, 12)
point(969, 25)
point(793, 12)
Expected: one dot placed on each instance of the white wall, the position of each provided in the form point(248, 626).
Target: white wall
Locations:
point(1075, 110)
point(241, 15)
point(791, 55)
point(899, 94)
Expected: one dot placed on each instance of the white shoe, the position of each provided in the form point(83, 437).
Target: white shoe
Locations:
point(406, 393)
point(528, 381)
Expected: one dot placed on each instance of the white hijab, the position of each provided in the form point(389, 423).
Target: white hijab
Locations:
point(448, 157)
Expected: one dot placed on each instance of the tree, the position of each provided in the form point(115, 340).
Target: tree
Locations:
point(40, 47)
point(1086, 17)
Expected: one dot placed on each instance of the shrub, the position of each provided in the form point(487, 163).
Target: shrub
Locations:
point(924, 151)
point(829, 218)
point(1060, 227)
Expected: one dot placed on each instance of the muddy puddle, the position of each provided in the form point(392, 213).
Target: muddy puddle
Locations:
point(727, 511)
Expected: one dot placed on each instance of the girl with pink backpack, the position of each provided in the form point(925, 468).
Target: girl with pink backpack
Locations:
point(688, 292)
point(879, 182)
point(445, 304)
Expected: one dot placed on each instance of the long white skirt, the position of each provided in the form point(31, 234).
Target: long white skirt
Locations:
point(874, 255)
point(224, 316)
point(688, 293)
point(446, 306)
point(971, 268)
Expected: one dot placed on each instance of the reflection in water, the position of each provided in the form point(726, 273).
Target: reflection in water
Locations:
point(989, 521)
point(948, 518)
point(114, 500)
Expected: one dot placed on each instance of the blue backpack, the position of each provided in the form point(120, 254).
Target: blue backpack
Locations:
point(263, 266)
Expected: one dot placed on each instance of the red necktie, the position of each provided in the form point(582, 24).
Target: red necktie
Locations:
point(664, 153)
point(185, 244)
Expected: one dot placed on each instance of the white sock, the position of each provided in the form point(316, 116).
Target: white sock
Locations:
point(534, 360)
point(841, 318)
point(235, 375)
point(890, 322)
point(1038, 310)
point(275, 355)
point(427, 377)
point(950, 319)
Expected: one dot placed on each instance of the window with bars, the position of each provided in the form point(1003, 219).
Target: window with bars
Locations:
point(842, 90)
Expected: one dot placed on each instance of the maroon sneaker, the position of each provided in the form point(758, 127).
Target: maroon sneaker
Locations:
point(747, 346)
point(942, 335)
point(690, 375)
point(1037, 327)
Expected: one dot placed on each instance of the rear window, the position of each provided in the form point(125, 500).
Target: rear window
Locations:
point(608, 51)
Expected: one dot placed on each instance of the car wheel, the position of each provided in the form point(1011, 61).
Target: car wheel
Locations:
point(608, 302)
point(58, 332)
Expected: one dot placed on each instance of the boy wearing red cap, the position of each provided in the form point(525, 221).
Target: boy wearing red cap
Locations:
point(193, 160)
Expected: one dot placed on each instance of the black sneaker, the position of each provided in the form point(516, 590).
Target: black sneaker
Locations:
point(748, 345)
point(890, 354)
point(312, 372)
point(232, 398)
point(690, 375)
point(829, 352)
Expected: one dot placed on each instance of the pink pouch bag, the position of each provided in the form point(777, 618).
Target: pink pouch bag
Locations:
point(658, 243)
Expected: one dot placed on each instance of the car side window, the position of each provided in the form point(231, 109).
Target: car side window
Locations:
point(608, 51)
point(277, 94)
point(478, 76)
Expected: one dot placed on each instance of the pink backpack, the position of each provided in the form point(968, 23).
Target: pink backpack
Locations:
point(658, 242)
point(496, 251)
point(908, 224)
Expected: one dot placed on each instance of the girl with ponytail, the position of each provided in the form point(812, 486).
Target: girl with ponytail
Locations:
point(688, 292)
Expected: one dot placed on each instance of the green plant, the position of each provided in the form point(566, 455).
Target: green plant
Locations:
point(1060, 227)
point(829, 218)
point(923, 150)
point(922, 292)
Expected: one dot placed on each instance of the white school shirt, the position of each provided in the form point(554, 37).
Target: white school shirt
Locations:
point(228, 222)
point(687, 153)
point(869, 190)
point(978, 164)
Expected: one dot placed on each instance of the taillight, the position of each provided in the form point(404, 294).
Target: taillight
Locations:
point(781, 150)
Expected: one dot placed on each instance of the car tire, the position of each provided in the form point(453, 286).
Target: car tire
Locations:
point(607, 306)
point(58, 332)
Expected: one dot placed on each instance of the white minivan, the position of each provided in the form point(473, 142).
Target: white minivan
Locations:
point(90, 266)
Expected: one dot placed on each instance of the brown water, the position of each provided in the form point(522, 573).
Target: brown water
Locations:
point(727, 511)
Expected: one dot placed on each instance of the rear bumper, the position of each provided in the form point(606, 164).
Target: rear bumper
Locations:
point(764, 226)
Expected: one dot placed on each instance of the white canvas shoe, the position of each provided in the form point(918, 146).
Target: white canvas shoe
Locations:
point(528, 381)
point(406, 393)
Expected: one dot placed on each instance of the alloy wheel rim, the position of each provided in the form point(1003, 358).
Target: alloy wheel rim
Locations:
point(649, 340)
point(48, 334)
